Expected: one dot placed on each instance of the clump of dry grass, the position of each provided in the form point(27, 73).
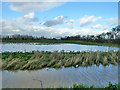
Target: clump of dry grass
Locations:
point(55, 59)
point(59, 64)
point(12, 63)
point(105, 62)
point(37, 55)
point(68, 63)
point(77, 61)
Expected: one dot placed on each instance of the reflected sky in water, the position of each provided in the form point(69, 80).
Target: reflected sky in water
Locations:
point(93, 75)
point(22, 47)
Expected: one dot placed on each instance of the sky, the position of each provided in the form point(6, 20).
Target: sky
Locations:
point(58, 19)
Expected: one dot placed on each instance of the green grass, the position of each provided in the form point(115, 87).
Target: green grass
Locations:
point(39, 60)
point(60, 41)
point(75, 87)
point(110, 86)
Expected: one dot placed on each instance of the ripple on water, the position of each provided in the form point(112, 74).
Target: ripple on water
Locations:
point(99, 76)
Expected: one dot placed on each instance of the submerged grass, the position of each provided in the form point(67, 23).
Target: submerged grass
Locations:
point(39, 60)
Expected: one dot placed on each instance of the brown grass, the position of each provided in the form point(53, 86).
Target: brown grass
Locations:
point(56, 59)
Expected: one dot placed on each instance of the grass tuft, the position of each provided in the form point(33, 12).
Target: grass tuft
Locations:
point(39, 60)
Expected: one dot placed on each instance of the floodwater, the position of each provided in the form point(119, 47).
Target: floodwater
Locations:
point(22, 47)
point(49, 77)
point(93, 75)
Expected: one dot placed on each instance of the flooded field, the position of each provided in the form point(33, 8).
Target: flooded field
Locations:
point(99, 76)
point(59, 44)
point(22, 47)
point(93, 75)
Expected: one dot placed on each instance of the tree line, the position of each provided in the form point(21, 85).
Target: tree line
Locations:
point(112, 36)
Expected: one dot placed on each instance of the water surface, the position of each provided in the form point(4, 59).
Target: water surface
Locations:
point(97, 76)
point(22, 47)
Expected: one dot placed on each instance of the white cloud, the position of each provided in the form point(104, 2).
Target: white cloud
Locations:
point(18, 25)
point(26, 25)
point(55, 21)
point(97, 26)
point(25, 7)
point(71, 20)
point(27, 19)
point(102, 27)
point(60, 0)
point(105, 27)
point(70, 23)
point(107, 24)
point(17, 30)
point(86, 20)
point(112, 21)
point(9, 27)
point(37, 0)
point(92, 32)
point(54, 32)
point(30, 15)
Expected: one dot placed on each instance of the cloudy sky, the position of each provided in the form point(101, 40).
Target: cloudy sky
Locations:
point(56, 19)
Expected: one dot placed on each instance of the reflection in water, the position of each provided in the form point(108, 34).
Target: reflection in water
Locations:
point(54, 47)
point(98, 76)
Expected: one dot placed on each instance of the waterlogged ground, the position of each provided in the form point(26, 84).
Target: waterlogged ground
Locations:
point(97, 76)
point(91, 75)
point(22, 47)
